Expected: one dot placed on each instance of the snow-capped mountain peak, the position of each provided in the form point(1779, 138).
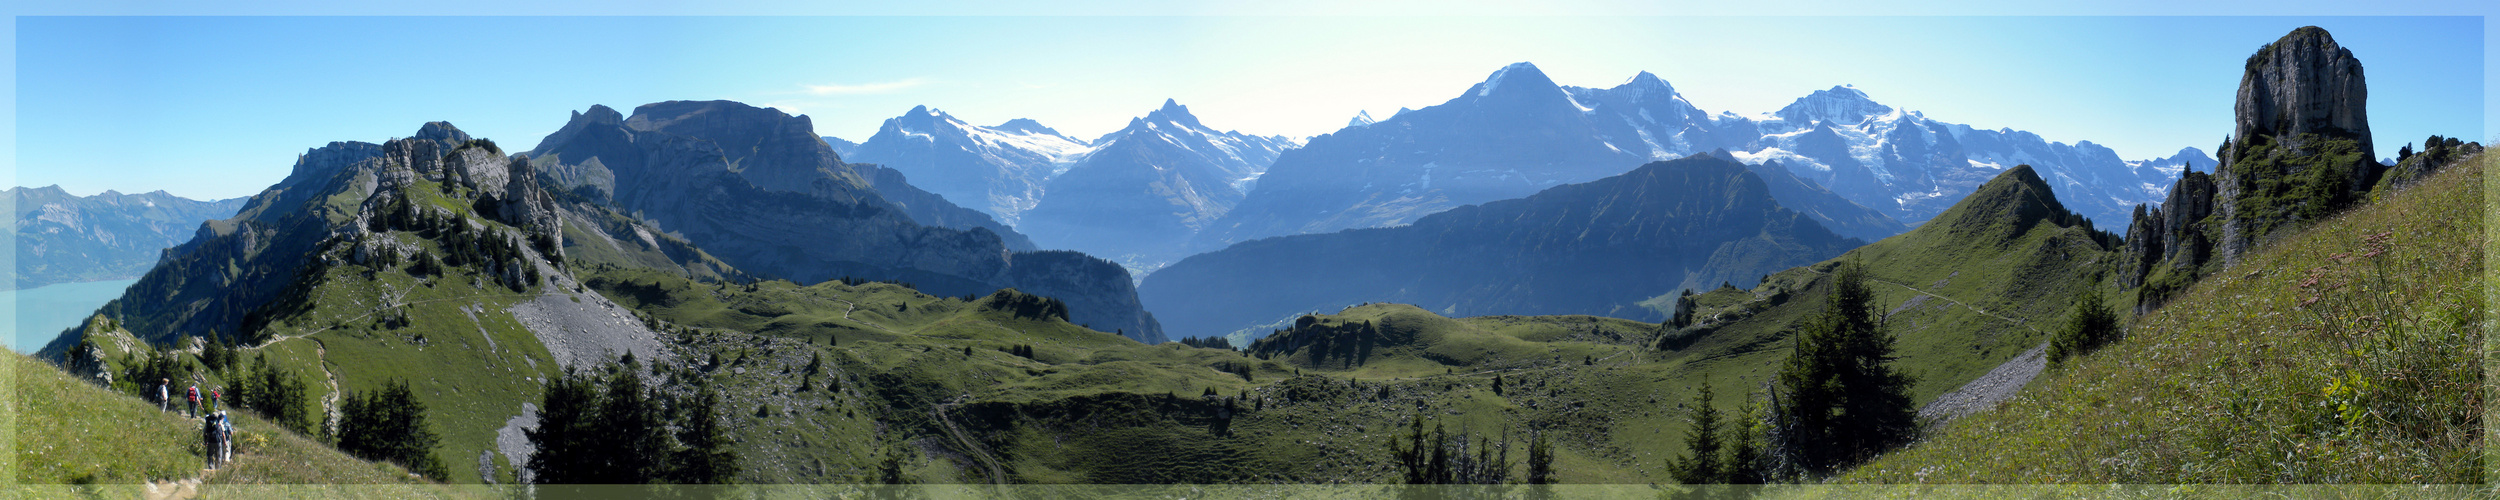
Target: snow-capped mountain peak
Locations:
point(1842, 104)
point(1361, 118)
point(1645, 84)
point(1028, 126)
point(1517, 79)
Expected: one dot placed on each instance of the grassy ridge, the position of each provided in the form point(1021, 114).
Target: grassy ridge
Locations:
point(2329, 356)
point(73, 432)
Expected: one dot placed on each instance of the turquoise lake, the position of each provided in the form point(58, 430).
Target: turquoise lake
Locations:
point(42, 312)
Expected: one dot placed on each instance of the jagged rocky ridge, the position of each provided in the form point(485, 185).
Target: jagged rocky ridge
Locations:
point(1590, 248)
point(690, 186)
point(67, 239)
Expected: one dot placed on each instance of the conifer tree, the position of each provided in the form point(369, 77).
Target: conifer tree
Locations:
point(2089, 326)
point(1540, 459)
point(1702, 440)
point(1842, 402)
point(705, 457)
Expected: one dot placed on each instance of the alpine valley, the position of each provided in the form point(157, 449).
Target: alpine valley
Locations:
point(1527, 285)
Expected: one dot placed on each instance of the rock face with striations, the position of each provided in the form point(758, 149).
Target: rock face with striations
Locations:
point(2300, 147)
point(691, 186)
point(2303, 84)
point(2300, 150)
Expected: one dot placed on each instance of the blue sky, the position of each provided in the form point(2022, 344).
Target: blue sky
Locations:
point(213, 107)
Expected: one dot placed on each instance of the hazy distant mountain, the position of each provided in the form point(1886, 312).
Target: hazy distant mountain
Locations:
point(1589, 248)
point(1513, 134)
point(68, 239)
point(1000, 170)
point(1145, 189)
point(840, 146)
point(1518, 132)
point(1912, 167)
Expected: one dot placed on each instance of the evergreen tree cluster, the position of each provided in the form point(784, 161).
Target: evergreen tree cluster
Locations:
point(1440, 458)
point(143, 374)
point(1350, 344)
point(612, 429)
point(1020, 350)
point(388, 424)
point(1208, 342)
point(1840, 401)
point(1742, 462)
point(852, 281)
point(463, 242)
point(278, 395)
point(219, 353)
point(1026, 306)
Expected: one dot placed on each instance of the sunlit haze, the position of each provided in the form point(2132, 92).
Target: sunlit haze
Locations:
point(215, 107)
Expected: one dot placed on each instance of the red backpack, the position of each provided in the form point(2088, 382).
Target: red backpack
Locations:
point(195, 394)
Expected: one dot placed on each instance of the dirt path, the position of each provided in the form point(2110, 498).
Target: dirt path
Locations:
point(329, 403)
point(846, 316)
point(1976, 309)
point(1997, 386)
point(183, 489)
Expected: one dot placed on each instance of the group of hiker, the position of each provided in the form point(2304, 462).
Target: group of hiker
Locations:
point(192, 399)
point(216, 429)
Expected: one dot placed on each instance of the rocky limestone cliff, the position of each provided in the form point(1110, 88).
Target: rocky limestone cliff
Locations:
point(778, 152)
point(2300, 147)
point(238, 275)
point(2303, 83)
point(692, 188)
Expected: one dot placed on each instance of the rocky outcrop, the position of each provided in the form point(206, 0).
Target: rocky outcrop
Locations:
point(692, 188)
point(2303, 83)
point(238, 275)
point(2300, 147)
point(778, 152)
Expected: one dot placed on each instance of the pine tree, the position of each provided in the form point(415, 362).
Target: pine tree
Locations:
point(1702, 467)
point(705, 457)
point(1540, 459)
point(2089, 326)
point(631, 435)
point(566, 453)
point(1843, 403)
point(1744, 459)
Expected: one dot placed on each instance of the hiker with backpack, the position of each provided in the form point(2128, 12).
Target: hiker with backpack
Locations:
point(212, 439)
point(191, 405)
point(164, 394)
point(225, 438)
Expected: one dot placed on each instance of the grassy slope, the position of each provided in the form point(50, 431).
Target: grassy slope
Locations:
point(1613, 404)
point(2239, 381)
point(70, 431)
